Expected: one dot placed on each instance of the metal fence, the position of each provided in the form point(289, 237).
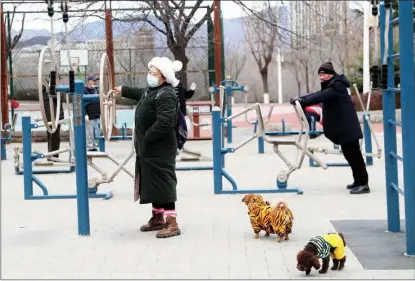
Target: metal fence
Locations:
point(135, 43)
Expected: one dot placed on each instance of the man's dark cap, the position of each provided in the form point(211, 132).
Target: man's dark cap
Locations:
point(327, 68)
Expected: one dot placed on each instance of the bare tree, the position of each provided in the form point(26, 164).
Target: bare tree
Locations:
point(261, 38)
point(176, 19)
point(295, 66)
point(18, 35)
point(235, 59)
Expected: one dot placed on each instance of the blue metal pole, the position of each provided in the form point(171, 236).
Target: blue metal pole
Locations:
point(283, 125)
point(81, 160)
point(27, 157)
point(368, 140)
point(101, 143)
point(217, 150)
point(313, 124)
point(3, 149)
point(261, 145)
point(388, 100)
point(406, 49)
point(229, 128)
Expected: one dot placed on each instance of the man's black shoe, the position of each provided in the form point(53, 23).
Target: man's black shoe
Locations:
point(360, 189)
point(352, 186)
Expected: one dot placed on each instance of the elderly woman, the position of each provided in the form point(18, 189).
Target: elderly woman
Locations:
point(156, 145)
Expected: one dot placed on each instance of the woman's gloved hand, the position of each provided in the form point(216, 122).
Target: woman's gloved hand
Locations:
point(193, 86)
point(117, 91)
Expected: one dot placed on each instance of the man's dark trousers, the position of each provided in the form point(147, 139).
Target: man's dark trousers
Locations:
point(353, 155)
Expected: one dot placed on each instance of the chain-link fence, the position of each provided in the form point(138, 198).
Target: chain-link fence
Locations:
point(135, 43)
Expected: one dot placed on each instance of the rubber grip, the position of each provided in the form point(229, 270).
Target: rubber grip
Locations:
point(71, 81)
point(384, 77)
point(374, 76)
point(52, 86)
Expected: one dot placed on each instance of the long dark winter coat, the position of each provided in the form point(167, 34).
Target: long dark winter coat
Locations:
point(155, 142)
point(340, 122)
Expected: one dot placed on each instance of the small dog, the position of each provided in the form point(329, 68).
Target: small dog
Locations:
point(281, 220)
point(277, 220)
point(326, 246)
point(254, 198)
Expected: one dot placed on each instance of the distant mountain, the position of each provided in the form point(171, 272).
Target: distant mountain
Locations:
point(35, 40)
point(233, 31)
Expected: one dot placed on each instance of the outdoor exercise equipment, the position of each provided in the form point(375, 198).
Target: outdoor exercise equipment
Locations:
point(368, 133)
point(219, 151)
point(101, 139)
point(230, 86)
point(188, 155)
point(84, 188)
point(194, 117)
point(5, 136)
point(51, 160)
point(407, 91)
point(284, 132)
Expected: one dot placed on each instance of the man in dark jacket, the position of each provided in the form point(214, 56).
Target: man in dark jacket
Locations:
point(183, 94)
point(93, 111)
point(341, 124)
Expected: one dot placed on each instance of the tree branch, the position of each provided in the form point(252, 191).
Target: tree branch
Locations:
point(196, 27)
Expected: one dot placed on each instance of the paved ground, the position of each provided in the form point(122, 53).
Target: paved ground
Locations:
point(39, 238)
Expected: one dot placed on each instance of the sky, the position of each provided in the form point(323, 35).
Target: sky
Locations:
point(41, 21)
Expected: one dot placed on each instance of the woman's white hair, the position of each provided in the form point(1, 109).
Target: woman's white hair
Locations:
point(168, 68)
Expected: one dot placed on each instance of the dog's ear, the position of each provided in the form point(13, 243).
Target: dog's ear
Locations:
point(244, 198)
point(316, 262)
point(307, 272)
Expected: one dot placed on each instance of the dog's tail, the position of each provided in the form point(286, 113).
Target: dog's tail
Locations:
point(342, 237)
point(279, 208)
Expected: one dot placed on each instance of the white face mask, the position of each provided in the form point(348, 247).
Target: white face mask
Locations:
point(152, 81)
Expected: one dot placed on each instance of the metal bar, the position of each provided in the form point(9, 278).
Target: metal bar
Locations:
point(81, 161)
point(244, 143)
point(393, 154)
point(240, 113)
point(388, 98)
point(48, 172)
point(396, 55)
point(217, 35)
point(396, 187)
point(260, 145)
point(3, 155)
point(396, 123)
point(391, 88)
point(395, 21)
point(217, 150)
point(230, 179)
point(194, 168)
point(121, 166)
point(291, 133)
point(70, 196)
point(27, 157)
point(96, 168)
point(41, 185)
point(3, 71)
point(314, 159)
point(52, 153)
point(407, 73)
point(10, 71)
point(368, 139)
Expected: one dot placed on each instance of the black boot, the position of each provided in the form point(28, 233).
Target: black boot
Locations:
point(360, 189)
point(352, 186)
